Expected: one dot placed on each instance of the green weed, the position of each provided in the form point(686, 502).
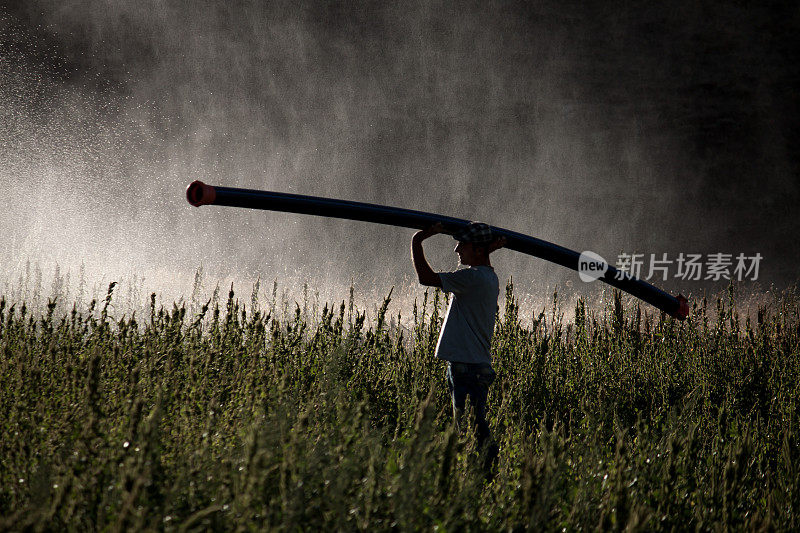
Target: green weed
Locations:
point(227, 417)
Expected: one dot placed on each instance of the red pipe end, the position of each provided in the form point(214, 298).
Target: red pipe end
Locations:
point(683, 307)
point(198, 193)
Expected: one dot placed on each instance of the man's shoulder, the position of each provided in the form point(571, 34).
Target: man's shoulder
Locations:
point(469, 279)
point(473, 272)
point(485, 272)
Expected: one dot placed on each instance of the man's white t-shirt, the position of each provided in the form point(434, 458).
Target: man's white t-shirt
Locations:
point(469, 324)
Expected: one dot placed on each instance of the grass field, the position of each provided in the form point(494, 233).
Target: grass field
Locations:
point(232, 419)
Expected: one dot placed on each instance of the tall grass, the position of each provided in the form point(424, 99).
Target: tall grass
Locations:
point(236, 419)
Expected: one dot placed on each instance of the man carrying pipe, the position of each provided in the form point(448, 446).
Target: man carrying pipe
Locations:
point(465, 338)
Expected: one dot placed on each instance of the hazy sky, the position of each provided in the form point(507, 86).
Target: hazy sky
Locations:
point(615, 127)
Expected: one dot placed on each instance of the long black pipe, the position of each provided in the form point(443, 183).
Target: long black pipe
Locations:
point(198, 193)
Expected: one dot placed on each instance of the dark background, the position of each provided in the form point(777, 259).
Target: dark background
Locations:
point(615, 127)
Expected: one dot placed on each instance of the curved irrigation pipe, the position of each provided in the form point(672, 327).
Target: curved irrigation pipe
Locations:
point(198, 193)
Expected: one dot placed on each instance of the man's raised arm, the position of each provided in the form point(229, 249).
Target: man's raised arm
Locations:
point(425, 273)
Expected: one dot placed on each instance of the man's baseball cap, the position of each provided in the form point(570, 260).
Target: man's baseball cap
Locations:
point(475, 232)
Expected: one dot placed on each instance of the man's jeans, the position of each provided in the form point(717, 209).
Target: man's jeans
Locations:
point(471, 380)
